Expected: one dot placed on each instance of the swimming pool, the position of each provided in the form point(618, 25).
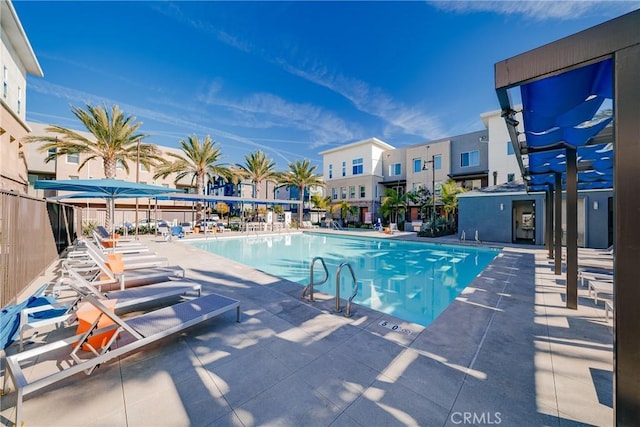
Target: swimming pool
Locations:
point(413, 281)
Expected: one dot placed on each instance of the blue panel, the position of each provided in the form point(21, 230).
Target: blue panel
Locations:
point(558, 100)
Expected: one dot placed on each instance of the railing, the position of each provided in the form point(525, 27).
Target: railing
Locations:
point(336, 226)
point(309, 287)
point(347, 312)
point(32, 234)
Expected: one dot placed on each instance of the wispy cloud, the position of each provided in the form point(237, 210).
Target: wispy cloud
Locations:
point(539, 10)
point(399, 118)
point(263, 110)
point(371, 100)
point(173, 10)
point(77, 97)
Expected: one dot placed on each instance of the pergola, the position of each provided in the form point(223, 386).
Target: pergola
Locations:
point(563, 86)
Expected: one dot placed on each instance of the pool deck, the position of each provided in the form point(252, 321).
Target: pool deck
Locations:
point(505, 352)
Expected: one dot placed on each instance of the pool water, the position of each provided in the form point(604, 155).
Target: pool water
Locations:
point(413, 281)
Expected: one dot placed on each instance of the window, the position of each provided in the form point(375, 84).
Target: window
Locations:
point(362, 192)
point(352, 192)
point(73, 158)
point(344, 168)
point(417, 165)
point(510, 149)
point(395, 169)
point(358, 166)
point(437, 162)
point(165, 185)
point(74, 177)
point(51, 151)
point(119, 164)
point(5, 79)
point(330, 171)
point(470, 158)
point(19, 100)
point(144, 168)
point(511, 177)
point(343, 192)
point(334, 194)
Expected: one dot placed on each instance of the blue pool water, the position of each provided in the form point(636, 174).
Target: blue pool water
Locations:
point(413, 281)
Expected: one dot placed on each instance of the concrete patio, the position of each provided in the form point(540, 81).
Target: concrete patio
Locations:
point(505, 352)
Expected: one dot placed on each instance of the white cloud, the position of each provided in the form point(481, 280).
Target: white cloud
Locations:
point(80, 98)
point(374, 101)
point(539, 10)
point(263, 110)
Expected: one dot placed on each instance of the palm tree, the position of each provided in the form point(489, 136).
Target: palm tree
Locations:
point(320, 202)
point(449, 196)
point(301, 175)
point(393, 203)
point(200, 160)
point(345, 210)
point(258, 167)
point(116, 142)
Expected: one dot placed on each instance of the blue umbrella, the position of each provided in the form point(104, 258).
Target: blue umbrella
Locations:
point(108, 188)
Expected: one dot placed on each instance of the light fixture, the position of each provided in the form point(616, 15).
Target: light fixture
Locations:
point(595, 205)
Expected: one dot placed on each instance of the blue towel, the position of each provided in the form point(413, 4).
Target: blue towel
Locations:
point(10, 316)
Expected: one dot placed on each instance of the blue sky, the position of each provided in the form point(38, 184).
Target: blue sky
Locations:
point(289, 78)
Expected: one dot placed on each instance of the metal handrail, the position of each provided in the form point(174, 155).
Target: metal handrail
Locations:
point(311, 284)
point(347, 312)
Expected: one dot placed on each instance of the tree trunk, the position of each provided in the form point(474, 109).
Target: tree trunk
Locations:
point(109, 165)
point(301, 207)
point(199, 192)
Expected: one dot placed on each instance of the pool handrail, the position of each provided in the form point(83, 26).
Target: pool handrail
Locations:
point(347, 312)
point(311, 284)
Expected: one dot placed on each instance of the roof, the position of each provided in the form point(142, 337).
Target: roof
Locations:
point(371, 141)
point(10, 24)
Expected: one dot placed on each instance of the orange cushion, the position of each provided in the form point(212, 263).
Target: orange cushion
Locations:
point(87, 314)
point(115, 264)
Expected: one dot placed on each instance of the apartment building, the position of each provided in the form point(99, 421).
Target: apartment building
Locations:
point(355, 173)
point(360, 172)
point(17, 59)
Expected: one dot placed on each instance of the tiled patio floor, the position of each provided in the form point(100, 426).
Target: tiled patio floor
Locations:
point(505, 352)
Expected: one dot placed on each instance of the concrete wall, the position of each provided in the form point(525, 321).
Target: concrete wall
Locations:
point(483, 213)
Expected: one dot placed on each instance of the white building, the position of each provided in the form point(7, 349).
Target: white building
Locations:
point(17, 59)
point(354, 173)
point(503, 165)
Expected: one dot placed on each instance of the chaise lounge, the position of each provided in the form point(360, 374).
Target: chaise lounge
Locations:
point(133, 334)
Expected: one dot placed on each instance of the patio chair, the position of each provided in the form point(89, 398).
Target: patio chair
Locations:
point(106, 235)
point(106, 278)
point(125, 301)
point(186, 227)
point(176, 231)
point(114, 245)
point(133, 334)
point(129, 261)
point(597, 287)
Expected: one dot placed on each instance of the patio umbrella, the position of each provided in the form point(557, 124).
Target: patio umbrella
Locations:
point(107, 188)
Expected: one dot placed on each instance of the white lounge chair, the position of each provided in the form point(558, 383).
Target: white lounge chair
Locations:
point(125, 301)
point(135, 332)
point(105, 279)
point(114, 245)
point(597, 287)
point(130, 261)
